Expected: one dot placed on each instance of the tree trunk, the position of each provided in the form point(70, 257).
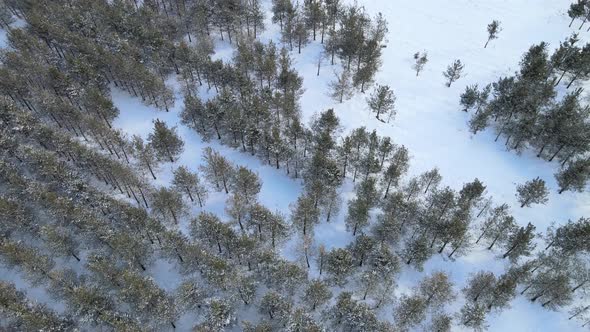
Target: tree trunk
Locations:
point(556, 152)
point(583, 22)
point(189, 194)
point(387, 189)
point(560, 77)
point(173, 215)
point(509, 251)
point(493, 242)
point(579, 312)
point(573, 80)
point(579, 285)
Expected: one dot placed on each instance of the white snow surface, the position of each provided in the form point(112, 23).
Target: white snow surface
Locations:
point(428, 122)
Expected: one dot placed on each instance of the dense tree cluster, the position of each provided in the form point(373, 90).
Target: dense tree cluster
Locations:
point(526, 110)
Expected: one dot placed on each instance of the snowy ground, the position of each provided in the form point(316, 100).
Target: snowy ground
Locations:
point(429, 122)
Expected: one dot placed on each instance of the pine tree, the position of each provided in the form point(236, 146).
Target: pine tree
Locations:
point(397, 168)
point(300, 30)
point(341, 88)
point(583, 10)
point(218, 170)
point(300, 321)
point(436, 289)
point(469, 97)
point(168, 203)
point(570, 237)
point(304, 214)
point(382, 101)
point(361, 249)
point(473, 315)
point(256, 17)
point(36, 266)
point(441, 323)
point(574, 176)
point(532, 192)
point(480, 287)
point(165, 141)
point(358, 208)
point(349, 315)
point(382, 268)
point(417, 251)
point(453, 72)
point(314, 12)
point(520, 243)
point(275, 306)
point(552, 288)
point(280, 10)
point(246, 288)
point(246, 183)
point(339, 265)
point(190, 296)
point(493, 30)
point(221, 316)
point(577, 10)
point(317, 294)
point(421, 60)
point(409, 311)
point(208, 228)
point(189, 183)
point(430, 180)
point(145, 154)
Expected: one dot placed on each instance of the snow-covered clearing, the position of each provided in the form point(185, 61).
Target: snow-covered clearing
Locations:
point(428, 122)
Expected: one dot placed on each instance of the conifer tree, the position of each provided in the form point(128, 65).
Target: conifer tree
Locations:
point(221, 316)
point(317, 294)
point(341, 88)
point(189, 183)
point(382, 101)
point(246, 183)
point(436, 289)
point(190, 296)
point(453, 72)
point(532, 192)
point(358, 208)
point(442, 322)
point(146, 156)
point(397, 168)
point(493, 30)
point(480, 287)
point(168, 203)
point(339, 265)
point(300, 30)
point(520, 243)
point(218, 170)
point(305, 215)
point(275, 306)
point(165, 141)
point(420, 61)
point(577, 10)
point(574, 176)
point(409, 311)
point(473, 315)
